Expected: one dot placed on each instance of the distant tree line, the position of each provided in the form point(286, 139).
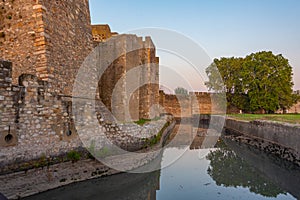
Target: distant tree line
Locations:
point(260, 82)
point(181, 91)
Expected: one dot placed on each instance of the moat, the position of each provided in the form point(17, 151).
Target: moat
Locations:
point(229, 170)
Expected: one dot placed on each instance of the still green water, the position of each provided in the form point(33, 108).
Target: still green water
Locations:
point(229, 171)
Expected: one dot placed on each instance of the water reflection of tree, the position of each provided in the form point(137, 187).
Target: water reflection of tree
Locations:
point(228, 170)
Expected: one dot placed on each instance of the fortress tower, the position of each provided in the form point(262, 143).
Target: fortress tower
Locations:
point(43, 43)
point(49, 39)
point(142, 62)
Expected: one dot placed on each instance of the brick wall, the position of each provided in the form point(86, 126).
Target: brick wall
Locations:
point(295, 108)
point(20, 36)
point(36, 122)
point(49, 39)
point(188, 105)
point(132, 68)
point(68, 32)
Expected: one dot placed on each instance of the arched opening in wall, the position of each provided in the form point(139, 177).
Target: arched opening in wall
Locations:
point(69, 133)
point(8, 138)
point(25, 79)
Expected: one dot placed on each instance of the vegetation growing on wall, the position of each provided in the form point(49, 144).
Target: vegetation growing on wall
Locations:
point(156, 138)
point(141, 122)
point(74, 156)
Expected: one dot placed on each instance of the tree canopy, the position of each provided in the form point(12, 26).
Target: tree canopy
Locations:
point(259, 82)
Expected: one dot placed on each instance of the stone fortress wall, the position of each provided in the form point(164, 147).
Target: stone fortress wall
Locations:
point(143, 63)
point(186, 106)
point(34, 120)
point(45, 43)
point(37, 122)
point(295, 108)
point(200, 103)
point(49, 39)
point(102, 32)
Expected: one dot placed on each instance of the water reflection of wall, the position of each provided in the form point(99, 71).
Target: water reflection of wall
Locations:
point(117, 187)
point(184, 135)
point(194, 136)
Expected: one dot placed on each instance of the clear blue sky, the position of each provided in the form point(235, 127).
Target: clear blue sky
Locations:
point(222, 27)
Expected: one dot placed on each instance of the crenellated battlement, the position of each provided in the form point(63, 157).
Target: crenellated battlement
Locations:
point(186, 106)
point(45, 43)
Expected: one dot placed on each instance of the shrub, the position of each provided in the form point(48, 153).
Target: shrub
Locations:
point(73, 156)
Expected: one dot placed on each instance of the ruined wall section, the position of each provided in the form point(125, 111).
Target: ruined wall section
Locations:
point(101, 32)
point(114, 73)
point(69, 40)
point(134, 62)
point(34, 121)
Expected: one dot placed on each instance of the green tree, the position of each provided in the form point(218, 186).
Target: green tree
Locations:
point(181, 91)
point(231, 81)
point(296, 97)
point(269, 81)
point(260, 82)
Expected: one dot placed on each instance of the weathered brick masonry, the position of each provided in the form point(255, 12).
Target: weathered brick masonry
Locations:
point(186, 106)
point(34, 121)
point(49, 39)
point(37, 122)
point(45, 43)
point(143, 63)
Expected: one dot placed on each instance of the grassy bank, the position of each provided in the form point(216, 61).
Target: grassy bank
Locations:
point(289, 118)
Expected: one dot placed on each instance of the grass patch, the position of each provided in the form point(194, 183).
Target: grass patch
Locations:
point(74, 156)
point(288, 118)
point(141, 122)
point(156, 138)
